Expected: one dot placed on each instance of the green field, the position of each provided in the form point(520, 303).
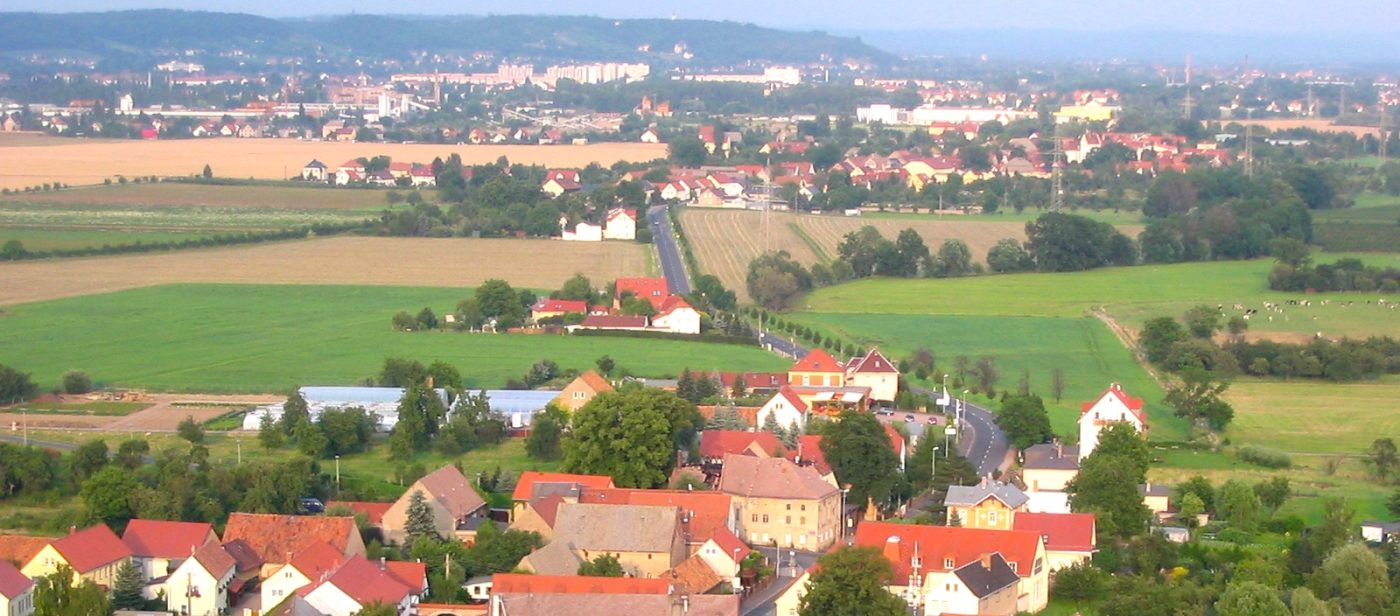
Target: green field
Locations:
point(97, 408)
point(1130, 294)
point(268, 338)
point(43, 240)
point(1125, 217)
point(1083, 347)
point(1313, 416)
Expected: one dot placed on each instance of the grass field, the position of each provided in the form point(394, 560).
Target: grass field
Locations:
point(1127, 217)
point(42, 240)
point(726, 240)
point(268, 338)
point(176, 194)
point(98, 408)
point(1083, 347)
point(81, 161)
point(1314, 417)
point(1131, 294)
point(444, 262)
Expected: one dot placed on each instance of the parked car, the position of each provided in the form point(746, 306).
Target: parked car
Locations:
point(886, 412)
point(932, 421)
point(909, 418)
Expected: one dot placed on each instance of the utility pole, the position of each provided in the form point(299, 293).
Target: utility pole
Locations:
point(1189, 104)
point(1057, 180)
point(1249, 143)
point(1381, 150)
point(1310, 111)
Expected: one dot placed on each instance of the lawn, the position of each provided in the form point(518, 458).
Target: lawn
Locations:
point(268, 338)
point(1083, 347)
point(97, 408)
point(1313, 416)
point(1130, 294)
point(179, 194)
point(44, 240)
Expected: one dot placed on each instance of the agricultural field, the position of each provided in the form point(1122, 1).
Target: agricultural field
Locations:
point(1373, 224)
point(1314, 417)
point(726, 240)
point(1113, 217)
point(443, 262)
point(81, 161)
point(184, 195)
point(1083, 347)
point(268, 338)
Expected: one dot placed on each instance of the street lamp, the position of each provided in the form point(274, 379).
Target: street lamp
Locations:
point(337, 475)
point(843, 512)
point(933, 468)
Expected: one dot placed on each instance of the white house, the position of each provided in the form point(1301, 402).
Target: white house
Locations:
point(582, 232)
point(1379, 532)
point(305, 567)
point(199, 586)
point(677, 316)
point(650, 136)
point(1114, 405)
point(786, 407)
point(314, 171)
point(621, 224)
point(359, 583)
point(159, 546)
point(16, 591)
point(875, 371)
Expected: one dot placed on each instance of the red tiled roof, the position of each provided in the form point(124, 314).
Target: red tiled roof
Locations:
point(650, 289)
point(716, 443)
point(896, 439)
point(243, 555)
point(755, 380)
point(560, 305)
point(12, 582)
point(809, 449)
point(816, 361)
point(671, 304)
point(1116, 390)
point(547, 508)
point(748, 413)
point(366, 583)
point(275, 536)
point(872, 362)
point(451, 489)
point(707, 512)
point(576, 585)
point(728, 542)
point(755, 477)
point(18, 550)
point(413, 575)
point(166, 539)
point(595, 381)
point(525, 486)
point(1063, 532)
point(937, 544)
point(374, 512)
point(614, 321)
point(91, 548)
point(316, 560)
point(215, 559)
point(790, 394)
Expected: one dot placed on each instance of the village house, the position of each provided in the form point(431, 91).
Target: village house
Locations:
point(584, 231)
point(990, 504)
point(653, 290)
point(549, 308)
point(582, 389)
point(310, 564)
point(159, 546)
point(1048, 467)
point(676, 316)
point(200, 585)
point(873, 370)
point(1114, 405)
point(545, 595)
point(457, 508)
point(314, 171)
point(781, 503)
point(275, 538)
point(94, 553)
point(358, 584)
point(16, 592)
point(620, 224)
point(18, 550)
point(646, 540)
point(817, 368)
point(1070, 538)
point(716, 444)
point(617, 322)
point(533, 484)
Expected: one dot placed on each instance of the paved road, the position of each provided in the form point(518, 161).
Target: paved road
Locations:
point(761, 603)
point(982, 442)
point(672, 266)
point(781, 345)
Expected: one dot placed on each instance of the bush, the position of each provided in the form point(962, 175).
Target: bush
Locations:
point(1264, 456)
point(76, 382)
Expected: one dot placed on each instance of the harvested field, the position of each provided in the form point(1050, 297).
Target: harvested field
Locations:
point(726, 240)
point(174, 194)
point(1322, 126)
point(163, 413)
point(34, 139)
point(447, 262)
point(89, 162)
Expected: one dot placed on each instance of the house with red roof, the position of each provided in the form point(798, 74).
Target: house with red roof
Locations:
point(616, 322)
point(19, 549)
point(534, 484)
point(373, 512)
point(933, 554)
point(782, 503)
point(875, 371)
point(1112, 406)
point(753, 382)
point(786, 408)
point(582, 389)
point(94, 553)
point(620, 224)
point(309, 565)
point(547, 595)
point(1070, 538)
point(358, 583)
point(557, 187)
point(16, 592)
point(159, 546)
point(819, 369)
point(200, 585)
point(546, 308)
point(275, 538)
point(676, 316)
point(704, 514)
point(715, 444)
point(653, 290)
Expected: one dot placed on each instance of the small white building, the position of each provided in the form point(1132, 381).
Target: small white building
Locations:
point(582, 232)
point(199, 586)
point(1113, 406)
point(677, 316)
point(16, 591)
point(621, 224)
point(1379, 532)
point(785, 407)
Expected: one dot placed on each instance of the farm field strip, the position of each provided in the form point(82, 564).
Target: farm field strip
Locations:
point(89, 162)
point(180, 194)
point(267, 338)
point(725, 241)
point(456, 262)
point(211, 219)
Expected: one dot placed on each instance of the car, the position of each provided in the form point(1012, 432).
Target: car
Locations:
point(908, 418)
point(932, 421)
point(886, 412)
point(310, 505)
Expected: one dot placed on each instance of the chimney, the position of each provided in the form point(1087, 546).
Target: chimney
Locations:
point(72, 529)
point(381, 563)
point(891, 550)
point(987, 561)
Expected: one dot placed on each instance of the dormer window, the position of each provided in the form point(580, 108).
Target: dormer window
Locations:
point(947, 563)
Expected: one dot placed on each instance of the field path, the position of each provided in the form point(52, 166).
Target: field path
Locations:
point(418, 262)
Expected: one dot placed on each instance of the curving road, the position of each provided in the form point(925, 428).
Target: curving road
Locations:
point(982, 442)
point(672, 266)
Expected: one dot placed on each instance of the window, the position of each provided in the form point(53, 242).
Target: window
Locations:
point(803, 520)
point(1013, 566)
point(765, 518)
point(787, 520)
point(755, 518)
point(579, 395)
point(947, 563)
point(789, 506)
point(992, 517)
point(804, 507)
point(1036, 567)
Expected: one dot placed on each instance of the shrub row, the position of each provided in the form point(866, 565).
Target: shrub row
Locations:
point(715, 338)
point(1264, 456)
point(224, 239)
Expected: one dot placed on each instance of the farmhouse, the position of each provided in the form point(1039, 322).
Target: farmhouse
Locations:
point(989, 504)
point(94, 553)
point(781, 503)
point(620, 224)
point(457, 509)
point(582, 389)
point(159, 546)
point(1113, 405)
point(646, 540)
point(275, 538)
point(582, 232)
point(873, 370)
point(676, 316)
point(314, 171)
point(16, 592)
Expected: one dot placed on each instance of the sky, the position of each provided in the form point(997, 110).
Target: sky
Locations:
point(1250, 17)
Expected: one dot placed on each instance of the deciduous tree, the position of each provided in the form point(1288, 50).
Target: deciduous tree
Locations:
point(605, 565)
point(630, 435)
point(851, 582)
point(859, 451)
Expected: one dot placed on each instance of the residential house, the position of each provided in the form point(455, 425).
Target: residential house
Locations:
point(646, 540)
point(20, 549)
point(422, 176)
point(781, 503)
point(275, 538)
point(786, 408)
point(753, 382)
point(314, 171)
point(582, 389)
point(557, 187)
point(819, 369)
point(1070, 538)
point(694, 576)
point(306, 566)
point(986, 587)
point(619, 322)
point(873, 370)
point(620, 224)
point(653, 290)
point(677, 316)
point(990, 504)
point(538, 514)
point(650, 135)
point(94, 553)
point(358, 584)
point(457, 508)
point(584, 231)
point(547, 595)
point(547, 308)
point(1048, 467)
point(199, 586)
point(158, 546)
point(373, 512)
point(1376, 531)
point(716, 444)
point(930, 556)
point(16, 592)
point(1156, 497)
point(1114, 405)
point(535, 483)
point(724, 552)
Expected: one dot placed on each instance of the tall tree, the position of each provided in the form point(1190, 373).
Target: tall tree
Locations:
point(1356, 577)
point(1237, 503)
point(55, 594)
point(1025, 420)
point(851, 582)
point(631, 435)
point(1107, 483)
point(859, 452)
point(293, 411)
point(546, 432)
point(126, 588)
point(420, 523)
point(1249, 599)
point(107, 495)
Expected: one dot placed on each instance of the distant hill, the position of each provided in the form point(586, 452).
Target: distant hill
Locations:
point(551, 38)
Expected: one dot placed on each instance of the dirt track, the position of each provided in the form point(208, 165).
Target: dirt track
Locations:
point(164, 415)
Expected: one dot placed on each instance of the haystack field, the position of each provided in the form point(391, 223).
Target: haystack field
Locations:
point(726, 240)
point(89, 162)
point(445, 262)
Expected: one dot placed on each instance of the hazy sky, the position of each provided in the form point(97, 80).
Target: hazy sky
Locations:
point(1214, 16)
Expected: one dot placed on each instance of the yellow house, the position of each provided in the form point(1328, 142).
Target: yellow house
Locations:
point(646, 540)
point(1090, 112)
point(817, 369)
point(93, 553)
point(1156, 497)
point(1049, 467)
point(990, 504)
point(780, 503)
